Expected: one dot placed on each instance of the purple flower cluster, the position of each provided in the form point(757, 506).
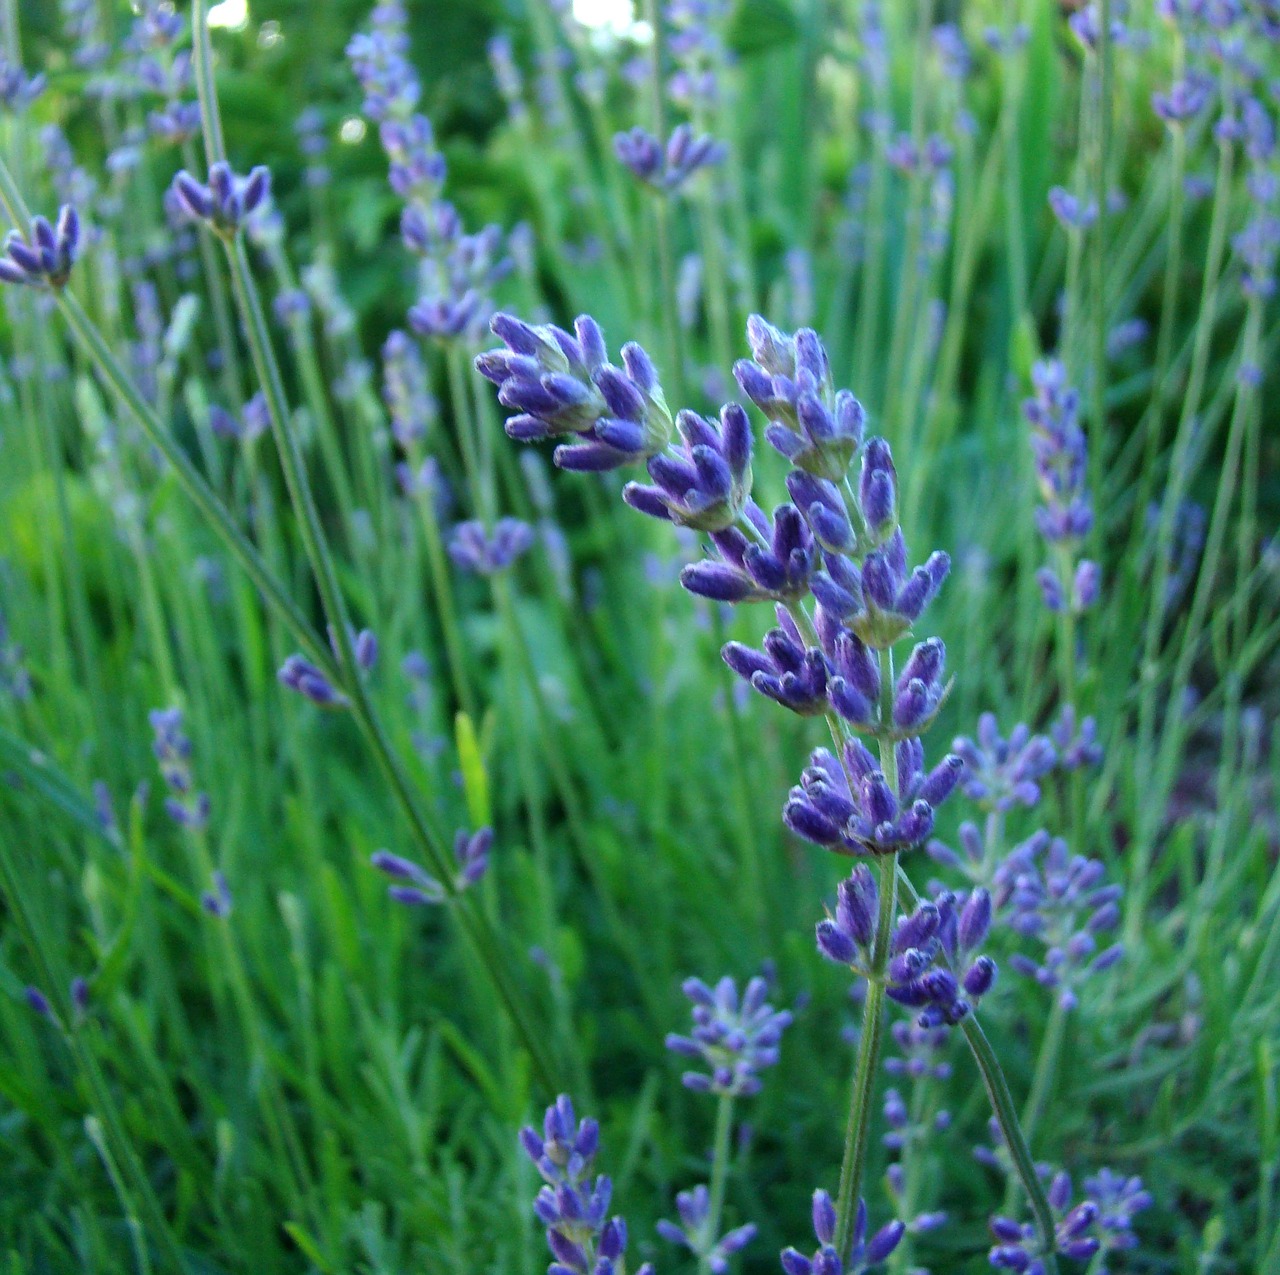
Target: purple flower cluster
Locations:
point(667, 168)
point(18, 89)
point(417, 887)
point(254, 420)
point(1019, 1247)
point(562, 385)
point(226, 201)
point(172, 748)
point(698, 50)
point(42, 259)
point(864, 1252)
point(1066, 516)
point(482, 552)
point(405, 390)
point(694, 1231)
point(582, 1238)
point(945, 928)
point(735, 1038)
point(456, 270)
point(301, 675)
point(1118, 1199)
point(1060, 899)
point(1001, 773)
point(851, 808)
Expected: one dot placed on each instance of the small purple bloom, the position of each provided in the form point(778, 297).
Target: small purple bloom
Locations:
point(735, 1037)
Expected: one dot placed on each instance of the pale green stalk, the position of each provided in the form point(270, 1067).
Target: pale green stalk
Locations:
point(719, 1175)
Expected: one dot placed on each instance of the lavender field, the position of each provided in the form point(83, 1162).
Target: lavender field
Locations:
point(638, 641)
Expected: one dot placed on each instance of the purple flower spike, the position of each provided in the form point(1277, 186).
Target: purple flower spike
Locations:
point(472, 549)
point(299, 674)
point(852, 810)
point(226, 202)
point(43, 259)
point(561, 384)
point(694, 1231)
point(736, 1038)
point(1066, 514)
point(572, 1207)
point(706, 485)
point(784, 671)
point(816, 428)
point(1002, 773)
point(184, 805)
point(671, 167)
point(217, 901)
point(863, 1254)
point(1060, 900)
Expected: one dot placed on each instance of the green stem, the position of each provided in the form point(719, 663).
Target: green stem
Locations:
point(1006, 1115)
point(719, 1174)
point(857, 1134)
point(1098, 260)
point(1042, 1082)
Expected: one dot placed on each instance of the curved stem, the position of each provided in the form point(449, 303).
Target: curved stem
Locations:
point(1006, 1115)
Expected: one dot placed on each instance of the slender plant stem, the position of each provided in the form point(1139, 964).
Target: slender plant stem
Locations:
point(719, 1175)
point(1042, 1081)
point(858, 1129)
point(1006, 1115)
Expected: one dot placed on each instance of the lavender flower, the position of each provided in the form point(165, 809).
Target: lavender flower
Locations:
point(1072, 213)
point(217, 899)
point(901, 1131)
point(172, 748)
point(457, 270)
point(935, 929)
point(864, 1253)
point(1118, 1198)
point(1001, 773)
point(667, 169)
point(706, 487)
point(775, 563)
point(1066, 516)
point(562, 384)
point(852, 810)
point(301, 675)
point(735, 1038)
point(1059, 899)
point(817, 429)
point(405, 391)
point(694, 1231)
point(417, 887)
point(18, 89)
point(582, 1239)
point(474, 549)
point(226, 202)
point(44, 257)
point(1019, 1247)
point(920, 1048)
point(252, 423)
point(1076, 749)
